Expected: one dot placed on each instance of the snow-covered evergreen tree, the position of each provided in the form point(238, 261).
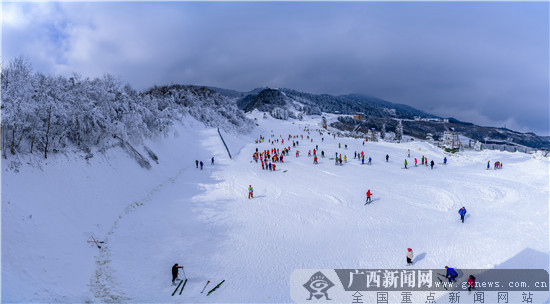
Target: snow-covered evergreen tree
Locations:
point(383, 131)
point(279, 113)
point(399, 131)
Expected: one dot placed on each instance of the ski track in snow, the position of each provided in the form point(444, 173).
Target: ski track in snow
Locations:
point(103, 285)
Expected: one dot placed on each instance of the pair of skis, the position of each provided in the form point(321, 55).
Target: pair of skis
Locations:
point(185, 282)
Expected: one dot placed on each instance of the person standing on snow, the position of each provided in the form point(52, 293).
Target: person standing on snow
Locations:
point(369, 194)
point(409, 256)
point(415, 162)
point(315, 160)
point(202, 164)
point(445, 160)
point(471, 282)
point(451, 274)
point(432, 164)
point(250, 192)
point(387, 157)
point(197, 164)
point(405, 164)
point(488, 165)
point(175, 273)
point(213, 160)
point(462, 213)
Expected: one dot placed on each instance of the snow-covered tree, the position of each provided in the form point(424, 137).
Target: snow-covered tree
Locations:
point(279, 113)
point(399, 131)
point(48, 113)
point(383, 131)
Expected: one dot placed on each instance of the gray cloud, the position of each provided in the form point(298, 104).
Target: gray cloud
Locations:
point(481, 62)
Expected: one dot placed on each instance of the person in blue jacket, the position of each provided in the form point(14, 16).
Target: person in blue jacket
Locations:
point(462, 213)
point(451, 274)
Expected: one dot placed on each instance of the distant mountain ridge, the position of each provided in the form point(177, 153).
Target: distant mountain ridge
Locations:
point(285, 103)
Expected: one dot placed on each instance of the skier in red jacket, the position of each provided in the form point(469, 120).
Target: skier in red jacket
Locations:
point(471, 282)
point(369, 194)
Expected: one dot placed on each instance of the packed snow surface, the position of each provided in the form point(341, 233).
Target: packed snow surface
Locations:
point(302, 215)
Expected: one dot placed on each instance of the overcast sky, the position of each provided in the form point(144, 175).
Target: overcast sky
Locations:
point(482, 62)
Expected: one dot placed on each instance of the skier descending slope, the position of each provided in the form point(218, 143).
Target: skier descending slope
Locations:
point(369, 200)
point(409, 256)
point(250, 192)
point(462, 213)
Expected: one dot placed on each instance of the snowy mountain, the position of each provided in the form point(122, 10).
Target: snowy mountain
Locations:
point(376, 112)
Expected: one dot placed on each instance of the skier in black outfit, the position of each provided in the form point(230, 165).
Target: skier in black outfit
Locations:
point(432, 164)
point(212, 160)
point(197, 164)
point(175, 273)
point(387, 157)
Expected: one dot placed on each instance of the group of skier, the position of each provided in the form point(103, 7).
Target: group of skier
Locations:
point(268, 158)
point(450, 273)
point(273, 155)
point(201, 164)
point(497, 165)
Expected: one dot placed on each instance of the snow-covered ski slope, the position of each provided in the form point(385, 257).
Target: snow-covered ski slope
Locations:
point(311, 216)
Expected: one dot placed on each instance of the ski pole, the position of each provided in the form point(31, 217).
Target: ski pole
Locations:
point(205, 286)
point(183, 273)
